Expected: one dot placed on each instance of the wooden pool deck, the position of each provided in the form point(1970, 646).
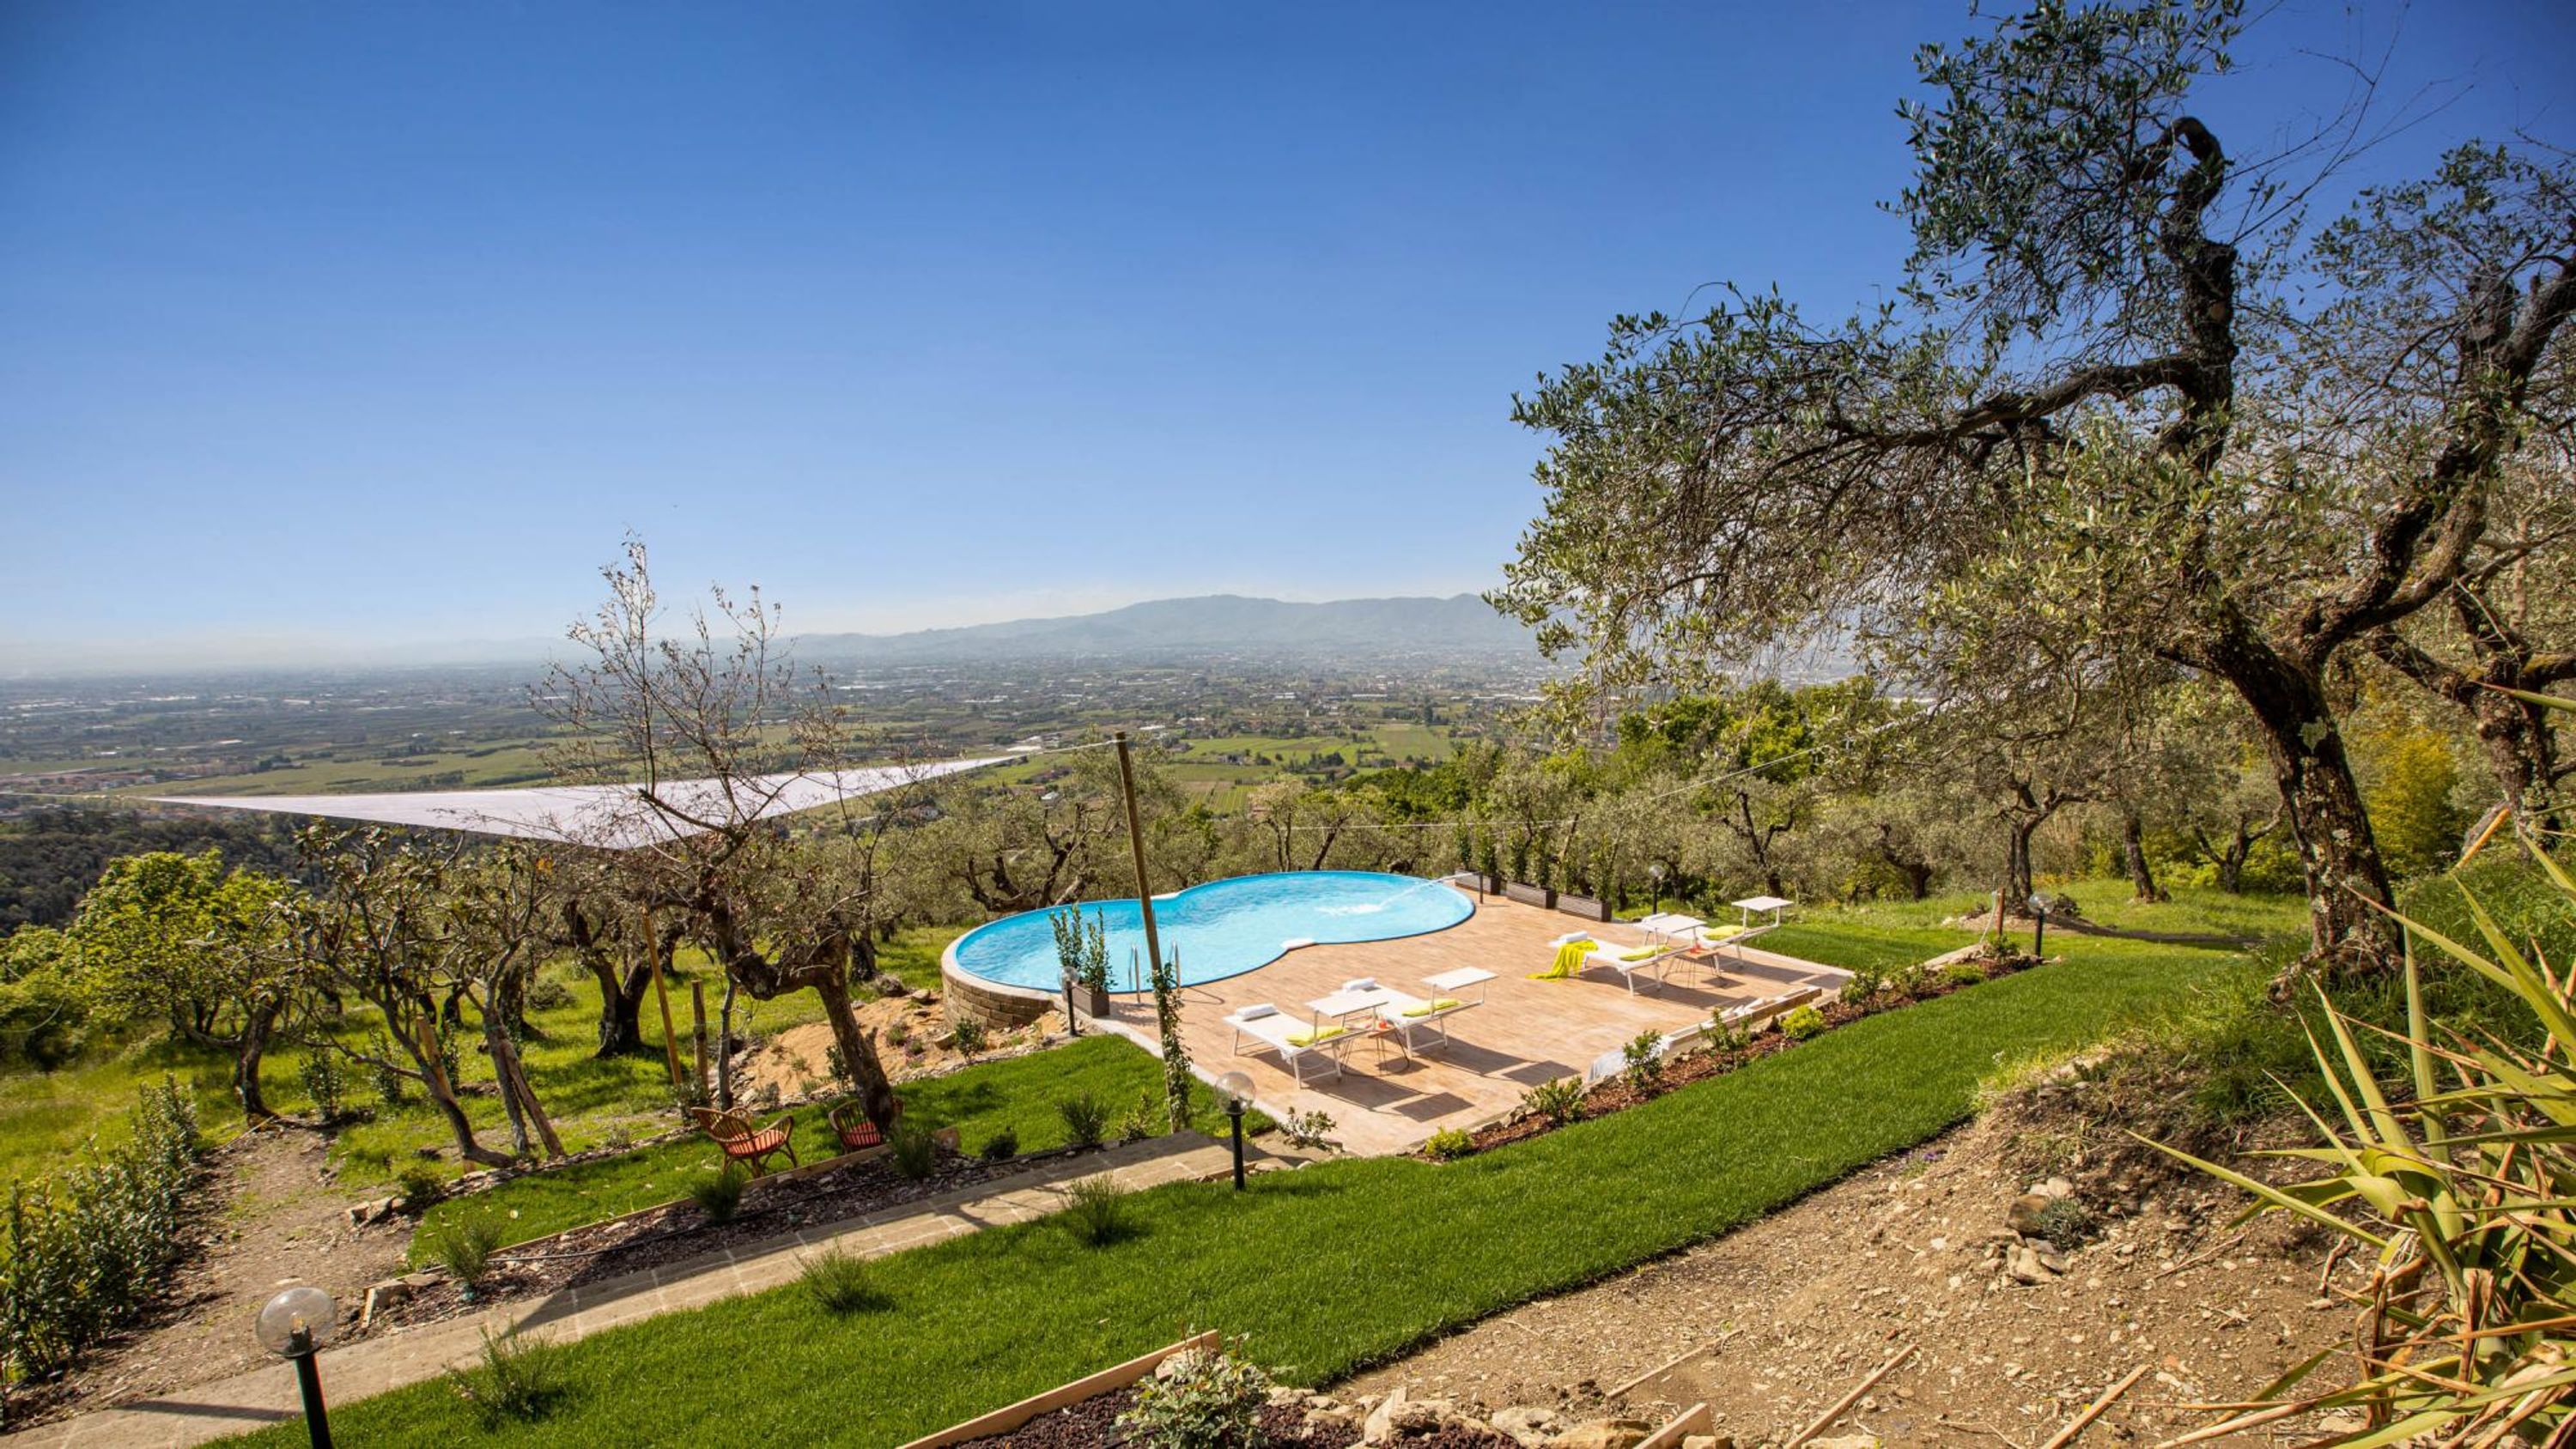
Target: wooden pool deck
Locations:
point(1527, 1031)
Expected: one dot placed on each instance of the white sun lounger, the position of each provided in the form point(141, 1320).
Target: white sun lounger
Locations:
point(1273, 1028)
point(1404, 1015)
point(1614, 957)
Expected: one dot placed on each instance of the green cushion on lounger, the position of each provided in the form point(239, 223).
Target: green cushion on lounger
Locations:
point(1642, 953)
point(1315, 1038)
point(1428, 1007)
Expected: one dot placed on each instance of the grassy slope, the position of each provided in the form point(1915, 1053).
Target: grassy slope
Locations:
point(1329, 1268)
point(1019, 1094)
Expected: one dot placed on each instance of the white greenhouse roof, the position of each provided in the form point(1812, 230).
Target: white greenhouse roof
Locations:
point(606, 817)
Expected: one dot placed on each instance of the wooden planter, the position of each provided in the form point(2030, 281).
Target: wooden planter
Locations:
point(1107, 1381)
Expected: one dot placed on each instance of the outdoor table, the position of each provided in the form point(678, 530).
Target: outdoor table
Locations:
point(1455, 983)
point(1344, 1004)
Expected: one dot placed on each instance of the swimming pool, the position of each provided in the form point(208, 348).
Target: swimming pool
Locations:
point(1220, 929)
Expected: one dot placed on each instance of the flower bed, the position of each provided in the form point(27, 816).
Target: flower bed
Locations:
point(1715, 1058)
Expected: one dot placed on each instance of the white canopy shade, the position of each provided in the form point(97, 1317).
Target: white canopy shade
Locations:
point(604, 817)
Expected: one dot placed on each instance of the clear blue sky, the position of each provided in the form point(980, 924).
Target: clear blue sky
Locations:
point(333, 322)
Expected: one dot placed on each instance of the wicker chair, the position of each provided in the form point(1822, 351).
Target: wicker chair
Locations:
point(742, 1142)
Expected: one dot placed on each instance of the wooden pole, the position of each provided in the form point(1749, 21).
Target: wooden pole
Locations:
point(661, 994)
point(2093, 1411)
point(698, 1024)
point(1136, 844)
point(1824, 1421)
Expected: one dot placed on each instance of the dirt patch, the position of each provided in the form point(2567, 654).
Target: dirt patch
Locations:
point(912, 1037)
point(1782, 1318)
point(272, 1217)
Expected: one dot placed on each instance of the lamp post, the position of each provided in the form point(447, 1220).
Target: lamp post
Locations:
point(293, 1325)
point(2038, 926)
point(1236, 1088)
point(1656, 872)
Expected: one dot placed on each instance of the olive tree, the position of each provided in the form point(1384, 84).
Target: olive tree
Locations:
point(203, 946)
point(2117, 363)
point(710, 725)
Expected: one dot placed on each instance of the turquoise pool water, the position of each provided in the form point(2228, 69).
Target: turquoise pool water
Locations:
point(1223, 928)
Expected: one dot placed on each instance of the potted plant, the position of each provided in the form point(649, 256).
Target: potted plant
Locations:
point(1082, 949)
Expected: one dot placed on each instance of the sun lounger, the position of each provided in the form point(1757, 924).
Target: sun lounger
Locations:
point(1404, 1015)
point(1293, 1040)
point(1628, 961)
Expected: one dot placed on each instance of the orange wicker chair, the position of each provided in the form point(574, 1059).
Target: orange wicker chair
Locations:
point(850, 1121)
point(742, 1142)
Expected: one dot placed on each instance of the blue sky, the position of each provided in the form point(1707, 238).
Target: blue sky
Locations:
point(326, 324)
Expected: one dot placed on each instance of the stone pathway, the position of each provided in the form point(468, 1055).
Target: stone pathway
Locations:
point(374, 1366)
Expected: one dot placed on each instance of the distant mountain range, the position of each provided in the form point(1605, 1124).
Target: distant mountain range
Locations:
point(1217, 624)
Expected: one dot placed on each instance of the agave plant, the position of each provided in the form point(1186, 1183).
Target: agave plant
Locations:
point(2465, 1192)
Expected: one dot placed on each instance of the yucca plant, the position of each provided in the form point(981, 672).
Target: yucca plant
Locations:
point(2466, 1195)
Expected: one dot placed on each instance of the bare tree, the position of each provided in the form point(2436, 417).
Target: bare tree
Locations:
point(716, 735)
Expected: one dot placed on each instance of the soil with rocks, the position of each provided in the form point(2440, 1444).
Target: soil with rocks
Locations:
point(2011, 1335)
point(913, 1037)
point(269, 1219)
point(1290, 1421)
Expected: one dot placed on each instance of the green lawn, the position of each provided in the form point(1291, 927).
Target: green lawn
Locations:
point(1330, 1268)
point(1019, 1094)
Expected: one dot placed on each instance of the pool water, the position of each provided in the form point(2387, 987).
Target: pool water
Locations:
point(1220, 929)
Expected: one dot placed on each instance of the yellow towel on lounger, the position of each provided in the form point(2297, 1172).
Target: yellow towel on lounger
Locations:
point(1316, 1038)
point(1569, 960)
point(1428, 1007)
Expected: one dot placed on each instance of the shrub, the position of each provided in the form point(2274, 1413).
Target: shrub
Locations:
point(2466, 1168)
point(1724, 1035)
point(967, 1036)
point(2066, 1221)
point(720, 1196)
point(897, 1032)
point(1199, 1400)
point(548, 994)
point(840, 1282)
point(1644, 1055)
point(391, 1087)
point(1911, 980)
point(1002, 1146)
point(1095, 1212)
point(1143, 1119)
point(1802, 1023)
point(1086, 1122)
point(1449, 1144)
point(912, 1150)
point(324, 1082)
point(1310, 1130)
point(1964, 973)
point(420, 1185)
point(464, 1247)
point(1560, 1100)
point(519, 1379)
point(79, 1251)
point(1864, 984)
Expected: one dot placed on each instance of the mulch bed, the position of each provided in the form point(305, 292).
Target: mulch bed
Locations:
point(1093, 1424)
point(1612, 1094)
point(680, 1231)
